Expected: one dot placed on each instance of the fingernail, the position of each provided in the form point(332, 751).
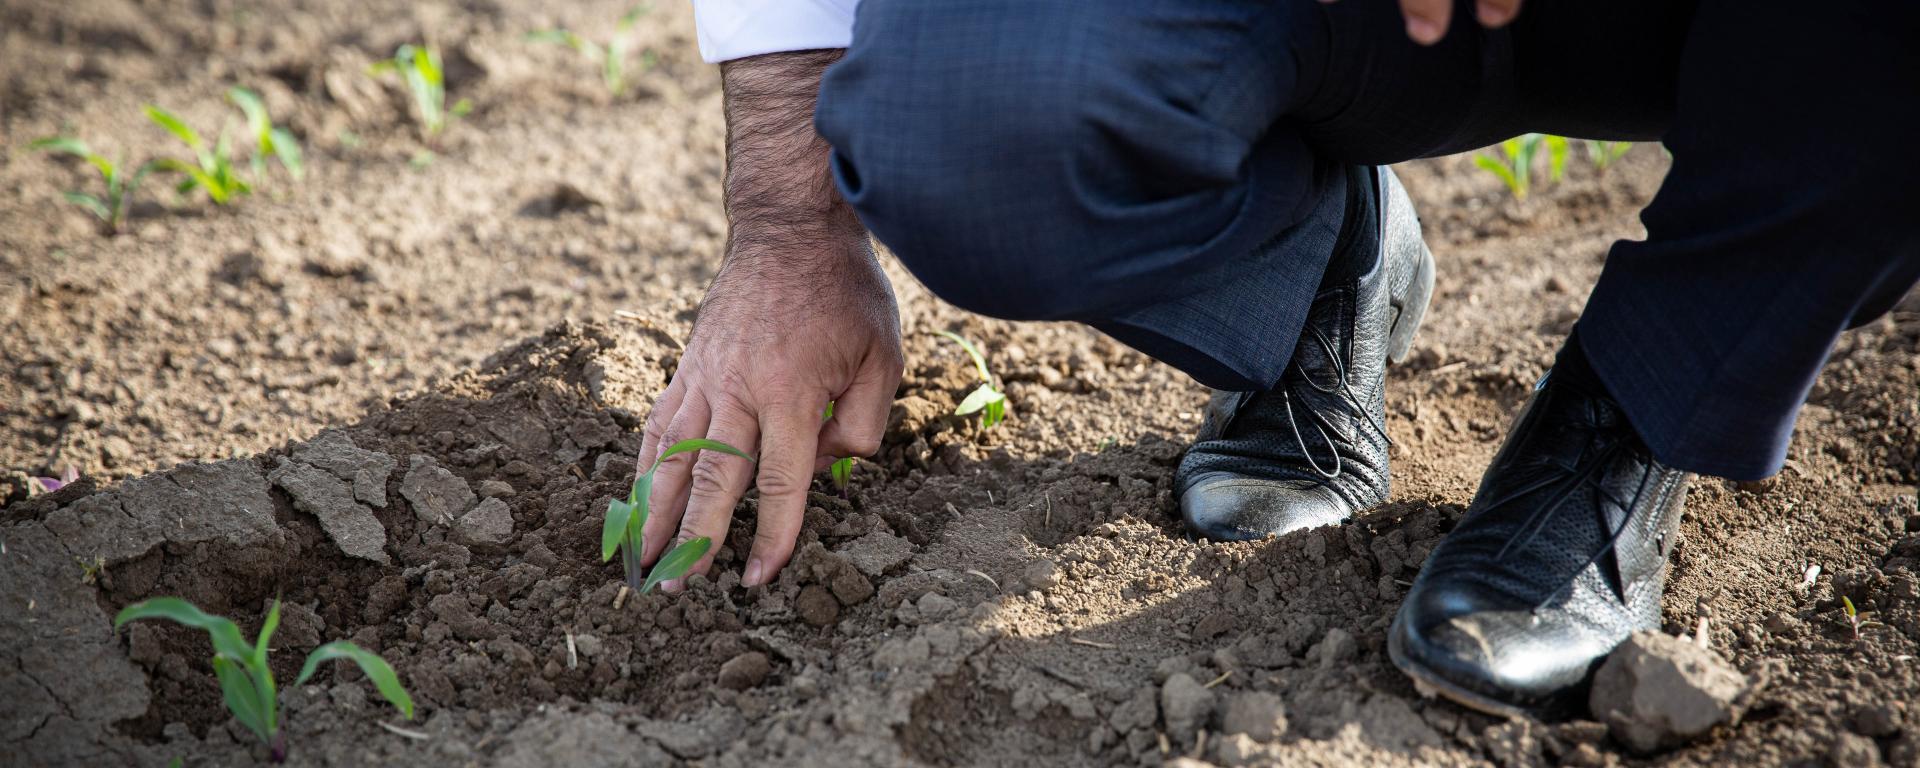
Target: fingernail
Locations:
point(754, 576)
point(1423, 31)
point(671, 586)
point(1492, 15)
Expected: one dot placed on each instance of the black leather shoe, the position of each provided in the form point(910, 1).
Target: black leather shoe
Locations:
point(1313, 450)
point(1561, 556)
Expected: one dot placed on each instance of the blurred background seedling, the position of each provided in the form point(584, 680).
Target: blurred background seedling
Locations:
point(1512, 161)
point(610, 58)
point(419, 66)
point(110, 207)
point(987, 399)
point(246, 682)
point(269, 140)
point(626, 522)
point(211, 169)
point(1603, 153)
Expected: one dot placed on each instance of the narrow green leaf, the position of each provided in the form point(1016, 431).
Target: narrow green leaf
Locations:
point(66, 144)
point(240, 695)
point(376, 669)
point(91, 203)
point(173, 125)
point(258, 122)
point(614, 529)
point(287, 149)
point(266, 634)
point(698, 444)
point(1556, 157)
point(677, 562)
point(842, 471)
point(979, 361)
point(224, 633)
point(979, 398)
point(829, 414)
point(642, 490)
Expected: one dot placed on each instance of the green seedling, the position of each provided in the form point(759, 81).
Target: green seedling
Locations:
point(1856, 619)
point(419, 66)
point(111, 207)
point(246, 682)
point(1513, 165)
point(1603, 153)
point(987, 399)
point(842, 470)
point(211, 169)
point(268, 140)
point(610, 58)
point(626, 522)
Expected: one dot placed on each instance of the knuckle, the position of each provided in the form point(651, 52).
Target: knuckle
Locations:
point(862, 445)
point(709, 478)
point(780, 480)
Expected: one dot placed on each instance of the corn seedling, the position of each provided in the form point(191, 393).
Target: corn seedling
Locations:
point(269, 140)
point(842, 472)
point(211, 169)
point(987, 399)
point(1856, 619)
point(420, 67)
point(110, 207)
point(626, 522)
point(246, 682)
point(1513, 164)
point(1603, 153)
point(611, 58)
point(842, 469)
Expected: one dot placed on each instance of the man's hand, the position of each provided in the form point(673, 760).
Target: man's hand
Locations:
point(1427, 19)
point(800, 314)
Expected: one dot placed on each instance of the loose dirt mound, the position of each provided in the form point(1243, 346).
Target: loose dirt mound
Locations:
point(961, 606)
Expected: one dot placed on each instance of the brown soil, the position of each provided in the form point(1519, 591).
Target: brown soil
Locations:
point(1012, 596)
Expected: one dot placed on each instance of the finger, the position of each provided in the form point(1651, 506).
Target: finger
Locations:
point(662, 414)
point(787, 437)
point(1496, 13)
point(1426, 19)
point(860, 414)
point(717, 482)
point(668, 500)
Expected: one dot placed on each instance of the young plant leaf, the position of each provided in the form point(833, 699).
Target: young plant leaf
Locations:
point(287, 149)
point(91, 203)
point(979, 361)
point(977, 399)
point(698, 444)
point(173, 125)
point(370, 663)
point(676, 562)
point(242, 696)
point(266, 633)
point(613, 531)
point(226, 637)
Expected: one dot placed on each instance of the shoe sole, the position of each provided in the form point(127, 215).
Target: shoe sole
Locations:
point(1410, 308)
point(1429, 684)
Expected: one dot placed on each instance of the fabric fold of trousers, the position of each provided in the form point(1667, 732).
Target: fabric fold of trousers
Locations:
point(1170, 173)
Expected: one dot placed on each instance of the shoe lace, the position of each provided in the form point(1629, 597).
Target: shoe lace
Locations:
point(1604, 447)
point(1343, 394)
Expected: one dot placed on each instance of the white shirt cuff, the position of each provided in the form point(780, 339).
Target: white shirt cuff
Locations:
point(735, 29)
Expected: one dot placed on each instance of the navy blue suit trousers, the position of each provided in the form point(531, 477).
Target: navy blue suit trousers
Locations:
point(1169, 171)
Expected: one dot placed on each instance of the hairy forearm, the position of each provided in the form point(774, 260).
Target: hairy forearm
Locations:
point(780, 195)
